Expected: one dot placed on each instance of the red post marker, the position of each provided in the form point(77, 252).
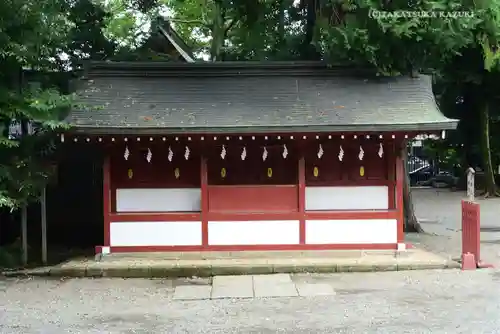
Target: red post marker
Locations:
point(469, 262)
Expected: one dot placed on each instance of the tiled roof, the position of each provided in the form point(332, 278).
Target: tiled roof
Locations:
point(252, 97)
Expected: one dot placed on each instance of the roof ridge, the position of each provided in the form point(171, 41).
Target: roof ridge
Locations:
point(224, 68)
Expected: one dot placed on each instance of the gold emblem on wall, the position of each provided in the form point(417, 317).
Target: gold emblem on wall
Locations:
point(130, 174)
point(361, 171)
point(315, 171)
point(269, 172)
point(223, 173)
point(177, 173)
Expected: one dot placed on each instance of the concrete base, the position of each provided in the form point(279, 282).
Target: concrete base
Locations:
point(207, 264)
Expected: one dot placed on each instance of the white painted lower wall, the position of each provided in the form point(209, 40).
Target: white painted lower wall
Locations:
point(273, 232)
point(366, 231)
point(347, 198)
point(265, 232)
point(170, 233)
point(158, 200)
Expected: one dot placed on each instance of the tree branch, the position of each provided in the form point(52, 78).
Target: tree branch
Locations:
point(229, 26)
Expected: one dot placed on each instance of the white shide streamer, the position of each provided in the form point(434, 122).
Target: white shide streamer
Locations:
point(170, 154)
point(381, 150)
point(285, 152)
point(223, 152)
point(126, 154)
point(320, 151)
point(361, 153)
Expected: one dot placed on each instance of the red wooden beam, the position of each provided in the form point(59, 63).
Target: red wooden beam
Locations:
point(197, 137)
point(400, 175)
point(134, 217)
point(302, 198)
point(391, 175)
point(106, 200)
point(252, 216)
point(236, 248)
point(204, 201)
point(354, 214)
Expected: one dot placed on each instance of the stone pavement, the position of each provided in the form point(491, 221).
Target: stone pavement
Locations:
point(207, 264)
point(439, 213)
point(251, 286)
point(430, 301)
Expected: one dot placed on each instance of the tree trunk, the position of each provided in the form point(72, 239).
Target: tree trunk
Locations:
point(410, 220)
point(43, 218)
point(467, 127)
point(490, 188)
point(308, 49)
point(24, 233)
point(281, 23)
point(218, 33)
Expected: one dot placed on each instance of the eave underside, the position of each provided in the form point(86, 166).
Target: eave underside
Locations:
point(368, 128)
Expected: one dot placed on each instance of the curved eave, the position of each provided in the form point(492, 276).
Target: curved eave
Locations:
point(450, 124)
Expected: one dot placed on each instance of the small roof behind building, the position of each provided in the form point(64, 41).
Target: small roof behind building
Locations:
point(167, 31)
point(164, 44)
point(251, 97)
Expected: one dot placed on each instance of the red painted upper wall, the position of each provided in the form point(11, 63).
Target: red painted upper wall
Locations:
point(232, 170)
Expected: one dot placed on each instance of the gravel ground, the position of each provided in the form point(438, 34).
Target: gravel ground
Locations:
point(387, 302)
point(393, 302)
point(439, 211)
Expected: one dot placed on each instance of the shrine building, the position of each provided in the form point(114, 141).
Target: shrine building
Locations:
point(231, 156)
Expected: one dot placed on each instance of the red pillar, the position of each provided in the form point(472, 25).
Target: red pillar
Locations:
point(391, 173)
point(399, 196)
point(204, 201)
point(106, 177)
point(302, 198)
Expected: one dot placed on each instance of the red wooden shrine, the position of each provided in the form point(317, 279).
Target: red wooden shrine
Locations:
point(188, 177)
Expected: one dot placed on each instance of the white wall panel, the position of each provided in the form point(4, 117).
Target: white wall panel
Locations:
point(158, 200)
point(355, 231)
point(271, 232)
point(155, 233)
point(347, 198)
